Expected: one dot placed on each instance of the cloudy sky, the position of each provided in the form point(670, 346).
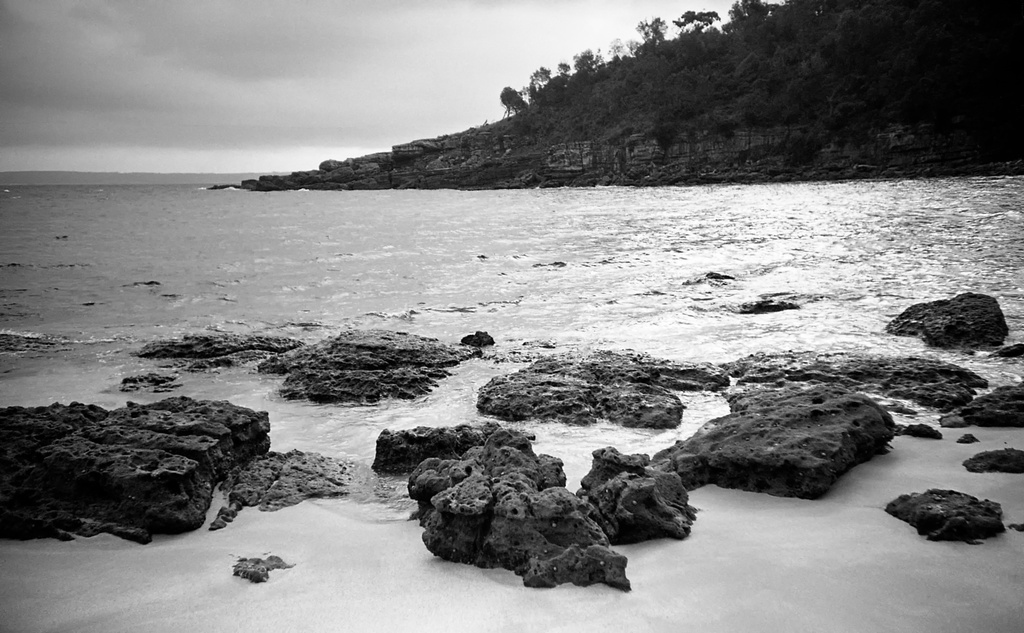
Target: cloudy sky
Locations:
point(261, 85)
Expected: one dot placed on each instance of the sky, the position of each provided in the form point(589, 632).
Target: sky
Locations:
point(264, 86)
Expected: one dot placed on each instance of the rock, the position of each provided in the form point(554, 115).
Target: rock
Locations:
point(1003, 406)
point(948, 515)
point(479, 339)
point(154, 382)
point(1009, 351)
point(501, 505)
point(764, 306)
point(789, 443)
point(1006, 460)
point(633, 390)
point(921, 430)
point(927, 382)
point(633, 502)
point(366, 366)
point(968, 320)
point(204, 346)
point(967, 438)
point(402, 451)
point(258, 569)
point(132, 472)
point(1019, 527)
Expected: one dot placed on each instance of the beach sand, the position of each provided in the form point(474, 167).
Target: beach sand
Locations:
point(753, 563)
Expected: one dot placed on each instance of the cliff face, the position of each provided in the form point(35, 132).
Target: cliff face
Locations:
point(492, 158)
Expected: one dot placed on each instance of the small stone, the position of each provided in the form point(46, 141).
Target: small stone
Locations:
point(921, 430)
point(967, 438)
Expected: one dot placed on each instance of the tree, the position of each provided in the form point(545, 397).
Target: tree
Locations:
point(563, 69)
point(512, 100)
point(652, 31)
point(587, 62)
point(697, 20)
point(538, 80)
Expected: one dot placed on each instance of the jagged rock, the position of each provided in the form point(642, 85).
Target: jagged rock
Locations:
point(478, 339)
point(968, 320)
point(633, 502)
point(402, 451)
point(967, 438)
point(634, 390)
point(948, 515)
point(921, 430)
point(366, 366)
point(1006, 460)
point(258, 569)
point(927, 382)
point(1009, 351)
point(764, 306)
point(1003, 406)
point(788, 443)
point(152, 381)
point(501, 505)
point(132, 472)
point(206, 346)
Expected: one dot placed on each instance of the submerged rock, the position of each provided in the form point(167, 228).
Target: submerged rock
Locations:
point(365, 366)
point(132, 472)
point(633, 502)
point(208, 346)
point(154, 382)
point(1006, 460)
point(788, 442)
point(1009, 351)
point(927, 382)
point(402, 451)
point(765, 306)
point(633, 390)
point(948, 515)
point(258, 569)
point(969, 320)
point(502, 505)
point(1003, 406)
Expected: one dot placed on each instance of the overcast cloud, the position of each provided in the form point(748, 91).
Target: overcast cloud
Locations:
point(256, 85)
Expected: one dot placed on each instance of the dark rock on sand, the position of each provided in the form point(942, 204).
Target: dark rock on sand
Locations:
point(1009, 351)
point(157, 383)
point(967, 438)
point(258, 569)
point(1006, 460)
point(948, 515)
point(969, 320)
point(366, 366)
point(921, 430)
point(478, 339)
point(210, 351)
point(633, 390)
point(927, 382)
point(501, 505)
point(1019, 527)
point(132, 472)
point(764, 306)
point(634, 502)
point(788, 443)
point(1003, 406)
point(402, 451)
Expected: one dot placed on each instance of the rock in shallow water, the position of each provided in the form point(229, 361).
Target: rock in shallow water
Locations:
point(948, 515)
point(208, 351)
point(1003, 406)
point(968, 320)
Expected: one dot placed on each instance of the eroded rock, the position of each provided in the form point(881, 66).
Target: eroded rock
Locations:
point(157, 383)
point(921, 430)
point(1005, 460)
point(402, 451)
point(948, 515)
point(968, 320)
point(1003, 406)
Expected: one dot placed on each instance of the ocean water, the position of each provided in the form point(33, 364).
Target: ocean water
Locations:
point(104, 270)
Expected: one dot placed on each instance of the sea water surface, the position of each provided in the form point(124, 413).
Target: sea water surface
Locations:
point(104, 270)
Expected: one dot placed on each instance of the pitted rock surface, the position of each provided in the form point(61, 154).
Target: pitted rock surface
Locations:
point(968, 320)
point(948, 515)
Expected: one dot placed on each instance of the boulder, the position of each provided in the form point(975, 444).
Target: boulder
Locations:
point(633, 502)
point(968, 320)
point(764, 306)
point(1006, 460)
point(258, 569)
point(921, 430)
point(927, 382)
point(789, 443)
point(501, 505)
point(1003, 406)
point(132, 472)
point(633, 390)
point(402, 451)
point(365, 366)
point(1009, 351)
point(948, 515)
point(967, 438)
point(478, 339)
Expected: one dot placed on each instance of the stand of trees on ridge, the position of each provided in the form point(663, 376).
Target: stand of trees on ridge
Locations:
point(836, 70)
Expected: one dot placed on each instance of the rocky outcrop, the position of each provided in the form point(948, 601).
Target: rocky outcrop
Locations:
point(279, 480)
point(968, 320)
point(402, 451)
point(258, 569)
point(1006, 460)
point(927, 382)
point(1003, 406)
point(133, 472)
point(948, 515)
point(366, 366)
point(633, 390)
point(921, 430)
point(501, 505)
point(207, 351)
point(788, 442)
point(634, 502)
